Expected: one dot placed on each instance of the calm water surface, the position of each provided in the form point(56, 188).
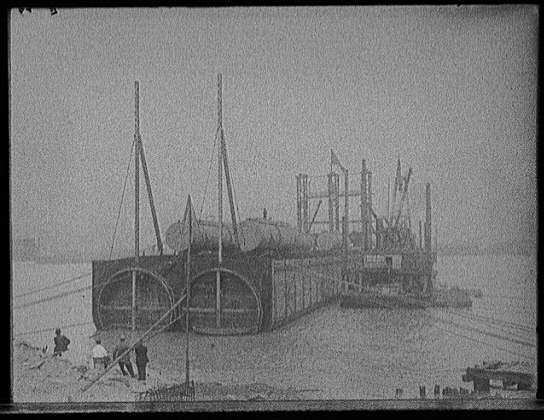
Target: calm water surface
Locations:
point(339, 353)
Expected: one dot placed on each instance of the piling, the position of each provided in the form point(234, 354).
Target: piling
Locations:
point(422, 392)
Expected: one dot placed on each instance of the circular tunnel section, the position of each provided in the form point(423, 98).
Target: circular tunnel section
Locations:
point(236, 309)
point(153, 298)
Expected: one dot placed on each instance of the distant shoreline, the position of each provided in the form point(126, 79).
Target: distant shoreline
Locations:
point(444, 253)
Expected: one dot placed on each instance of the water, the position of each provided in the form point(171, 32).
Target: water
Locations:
point(340, 353)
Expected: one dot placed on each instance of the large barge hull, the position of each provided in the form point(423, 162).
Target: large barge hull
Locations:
point(256, 293)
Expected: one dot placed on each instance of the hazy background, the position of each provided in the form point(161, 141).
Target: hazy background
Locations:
point(451, 90)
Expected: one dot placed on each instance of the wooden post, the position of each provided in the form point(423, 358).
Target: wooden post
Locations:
point(369, 201)
point(136, 200)
point(337, 201)
point(150, 196)
point(330, 190)
point(364, 206)
point(299, 204)
point(285, 315)
point(346, 208)
point(188, 290)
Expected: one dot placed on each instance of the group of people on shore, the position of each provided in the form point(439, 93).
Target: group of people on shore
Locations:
point(101, 358)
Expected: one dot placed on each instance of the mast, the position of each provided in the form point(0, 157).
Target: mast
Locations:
point(229, 189)
point(188, 290)
point(346, 208)
point(136, 199)
point(219, 202)
point(150, 196)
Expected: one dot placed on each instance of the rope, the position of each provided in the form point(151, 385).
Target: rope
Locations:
point(503, 329)
point(240, 232)
point(490, 334)
point(144, 335)
point(122, 198)
point(468, 337)
point(49, 298)
point(54, 285)
point(51, 329)
point(208, 177)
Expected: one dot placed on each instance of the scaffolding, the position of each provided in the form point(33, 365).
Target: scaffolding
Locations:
point(312, 188)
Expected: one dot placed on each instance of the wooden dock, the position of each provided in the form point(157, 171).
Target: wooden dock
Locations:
point(511, 374)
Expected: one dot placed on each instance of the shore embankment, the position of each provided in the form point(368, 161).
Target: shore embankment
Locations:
point(40, 377)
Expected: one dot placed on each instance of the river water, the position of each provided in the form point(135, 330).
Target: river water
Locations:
point(338, 353)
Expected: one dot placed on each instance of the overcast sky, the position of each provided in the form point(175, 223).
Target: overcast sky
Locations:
point(451, 90)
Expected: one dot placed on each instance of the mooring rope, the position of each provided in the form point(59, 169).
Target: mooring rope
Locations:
point(53, 285)
point(78, 324)
point(49, 298)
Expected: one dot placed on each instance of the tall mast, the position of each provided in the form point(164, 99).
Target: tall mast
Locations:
point(136, 198)
point(150, 196)
point(188, 290)
point(219, 201)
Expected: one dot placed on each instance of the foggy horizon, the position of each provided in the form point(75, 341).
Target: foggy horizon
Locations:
point(449, 90)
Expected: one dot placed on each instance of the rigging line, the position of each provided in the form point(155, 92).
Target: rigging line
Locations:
point(122, 198)
point(208, 176)
point(240, 231)
point(81, 276)
point(60, 295)
point(49, 298)
point(79, 324)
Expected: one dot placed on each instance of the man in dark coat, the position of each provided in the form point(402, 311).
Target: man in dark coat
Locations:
point(141, 359)
point(124, 362)
point(61, 343)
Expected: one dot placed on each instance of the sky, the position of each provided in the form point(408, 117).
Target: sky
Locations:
point(450, 90)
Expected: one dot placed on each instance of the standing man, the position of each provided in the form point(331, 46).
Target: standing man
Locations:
point(125, 360)
point(61, 343)
point(100, 355)
point(141, 359)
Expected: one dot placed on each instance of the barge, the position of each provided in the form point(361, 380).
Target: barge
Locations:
point(257, 275)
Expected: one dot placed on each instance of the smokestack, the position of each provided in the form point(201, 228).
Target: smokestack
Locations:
point(364, 206)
